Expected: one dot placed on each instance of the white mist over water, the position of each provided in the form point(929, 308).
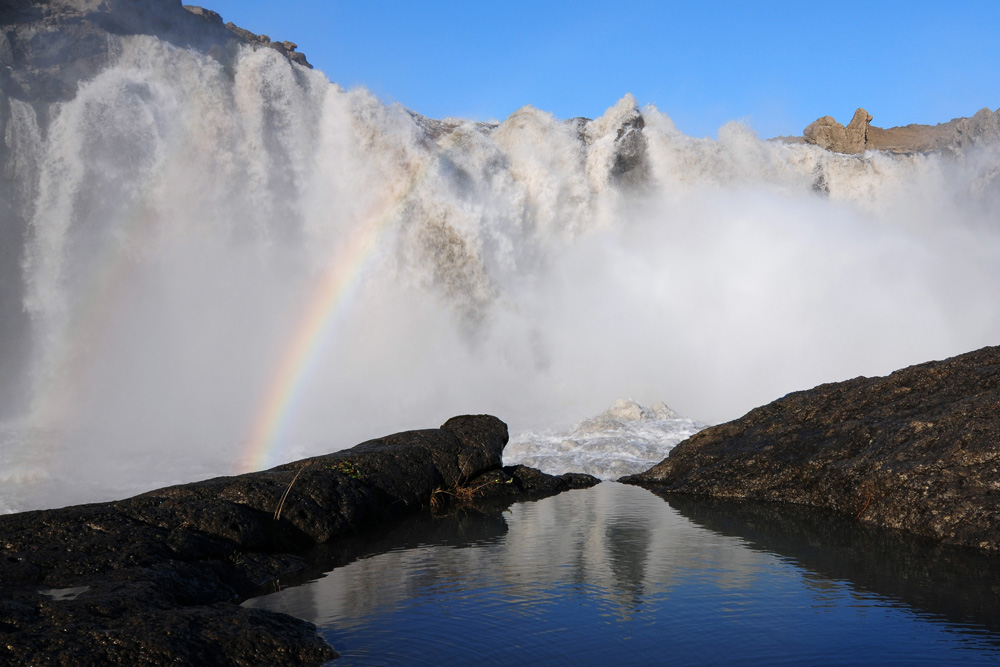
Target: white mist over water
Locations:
point(183, 215)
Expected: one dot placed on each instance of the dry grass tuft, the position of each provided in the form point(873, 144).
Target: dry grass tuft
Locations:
point(463, 493)
point(281, 503)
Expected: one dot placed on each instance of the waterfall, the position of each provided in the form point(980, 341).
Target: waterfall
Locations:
point(233, 265)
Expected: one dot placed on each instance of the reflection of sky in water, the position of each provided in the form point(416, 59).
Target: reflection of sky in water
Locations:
point(613, 574)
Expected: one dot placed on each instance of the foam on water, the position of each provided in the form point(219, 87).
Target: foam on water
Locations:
point(183, 215)
point(625, 439)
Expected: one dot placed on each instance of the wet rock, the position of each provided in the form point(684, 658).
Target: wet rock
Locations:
point(629, 167)
point(157, 578)
point(918, 451)
point(617, 140)
point(520, 482)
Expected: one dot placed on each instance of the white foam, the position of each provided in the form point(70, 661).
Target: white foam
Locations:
point(625, 439)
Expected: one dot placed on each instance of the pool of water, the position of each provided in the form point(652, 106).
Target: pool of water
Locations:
point(617, 574)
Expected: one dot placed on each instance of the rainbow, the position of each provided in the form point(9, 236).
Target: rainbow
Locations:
point(332, 294)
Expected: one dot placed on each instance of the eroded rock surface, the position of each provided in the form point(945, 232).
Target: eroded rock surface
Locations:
point(918, 450)
point(831, 135)
point(157, 578)
point(953, 137)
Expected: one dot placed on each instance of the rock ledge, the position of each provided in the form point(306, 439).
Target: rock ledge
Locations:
point(158, 578)
point(918, 451)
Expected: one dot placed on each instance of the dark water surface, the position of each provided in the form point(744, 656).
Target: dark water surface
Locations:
point(618, 575)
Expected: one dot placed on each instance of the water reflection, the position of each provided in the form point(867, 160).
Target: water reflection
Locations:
point(956, 584)
point(614, 573)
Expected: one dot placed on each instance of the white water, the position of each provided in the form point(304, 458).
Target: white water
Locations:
point(625, 439)
point(183, 215)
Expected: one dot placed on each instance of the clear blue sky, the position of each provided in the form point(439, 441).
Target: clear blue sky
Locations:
point(775, 65)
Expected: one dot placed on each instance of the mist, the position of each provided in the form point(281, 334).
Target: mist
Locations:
point(184, 218)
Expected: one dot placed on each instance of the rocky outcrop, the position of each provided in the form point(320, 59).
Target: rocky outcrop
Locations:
point(918, 451)
point(629, 167)
point(831, 135)
point(955, 136)
point(157, 578)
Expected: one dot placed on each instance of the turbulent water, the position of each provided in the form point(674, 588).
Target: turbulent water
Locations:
point(235, 266)
point(625, 439)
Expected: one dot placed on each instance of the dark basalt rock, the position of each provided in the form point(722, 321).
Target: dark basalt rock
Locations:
point(629, 167)
point(918, 451)
point(157, 578)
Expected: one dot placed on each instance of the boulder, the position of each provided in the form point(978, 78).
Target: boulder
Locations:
point(831, 135)
point(157, 578)
point(917, 451)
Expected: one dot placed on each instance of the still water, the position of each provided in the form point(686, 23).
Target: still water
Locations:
point(618, 575)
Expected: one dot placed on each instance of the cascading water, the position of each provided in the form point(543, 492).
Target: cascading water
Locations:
point(230, 267)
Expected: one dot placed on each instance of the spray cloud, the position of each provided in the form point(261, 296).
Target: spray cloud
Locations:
point(190, 223)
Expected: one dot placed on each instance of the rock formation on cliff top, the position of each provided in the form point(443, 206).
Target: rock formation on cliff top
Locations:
point(952, 137)
point(831, 135)
point(918, 450)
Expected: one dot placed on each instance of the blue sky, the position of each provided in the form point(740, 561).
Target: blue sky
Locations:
point(775, 65)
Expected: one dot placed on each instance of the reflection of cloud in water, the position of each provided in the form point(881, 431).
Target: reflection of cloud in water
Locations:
point(576, 575)
point(840, 559)
point(617, 543)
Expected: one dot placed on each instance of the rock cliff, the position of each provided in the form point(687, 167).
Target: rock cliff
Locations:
point(48, 48)
point(918, 451)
